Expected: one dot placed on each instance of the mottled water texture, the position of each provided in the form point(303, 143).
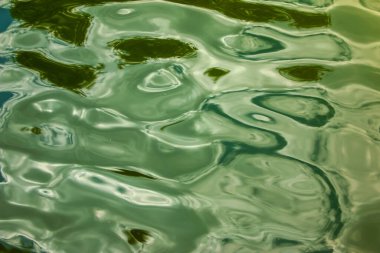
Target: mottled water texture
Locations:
point(189, 126)
point(67, 23)
point(59, 17)
point(262, 12)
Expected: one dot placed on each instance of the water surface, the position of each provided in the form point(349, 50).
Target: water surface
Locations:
point(189, 126)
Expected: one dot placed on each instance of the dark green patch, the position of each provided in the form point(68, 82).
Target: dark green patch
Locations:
point(137, 236)
point(33, 130)
point(226, 241)
point(259, 12)
point(216, 73)
point(327, 250)
point(72, 77)
point(131, 173)
point(56, 16)
point(140, 49)
point(8, 248)
point(305, 73)
point(36, 130)
point(282, 242)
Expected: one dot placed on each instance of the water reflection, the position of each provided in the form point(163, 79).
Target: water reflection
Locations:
point(4, 97)
point(259, 12)
point(264, 43)
point(307, 110)
point(363, 233)
point(20, 244)
point(216, 73)
point(3, 179)
point(291, 204)
point(69, 76)
point(206, 126)
point(137, 236)
point(5, 19)
point(131, 173)
point(71, 25)
point(139, 50)
point(59, 17)
point(318, 3)
point(304, 73)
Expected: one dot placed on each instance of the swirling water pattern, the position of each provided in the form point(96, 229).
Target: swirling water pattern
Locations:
point(189, 126)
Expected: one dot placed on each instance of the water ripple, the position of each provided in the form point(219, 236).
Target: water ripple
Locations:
point(296, 206)
point(189, 126)
point(307, 110)
point(264, 43)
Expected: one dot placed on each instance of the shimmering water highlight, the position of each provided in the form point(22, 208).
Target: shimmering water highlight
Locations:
point(224, 126)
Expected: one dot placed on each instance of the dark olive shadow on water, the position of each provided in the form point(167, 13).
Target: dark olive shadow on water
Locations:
point(69, 76)
point(216, 73)
point(304, 73)
point(136, 236)
point(141, 49)
point(131, 173)
point(68, 24)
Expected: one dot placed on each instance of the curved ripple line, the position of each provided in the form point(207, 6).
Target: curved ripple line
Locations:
point(311, 111)
point(280, 141)
point(265, 43)
point(334, 227)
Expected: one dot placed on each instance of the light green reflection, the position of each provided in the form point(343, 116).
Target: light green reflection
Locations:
point(189, 126)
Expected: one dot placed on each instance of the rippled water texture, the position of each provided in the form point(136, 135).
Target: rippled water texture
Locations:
point(190, 126)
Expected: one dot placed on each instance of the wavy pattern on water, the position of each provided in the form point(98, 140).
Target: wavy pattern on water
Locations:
point(264, 43)
point(289, 199)
point(189, 126)
point(69, 25)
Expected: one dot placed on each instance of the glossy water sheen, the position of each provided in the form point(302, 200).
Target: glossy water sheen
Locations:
point(193, 126)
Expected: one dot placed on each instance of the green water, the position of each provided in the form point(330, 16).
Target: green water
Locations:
point(184, 126)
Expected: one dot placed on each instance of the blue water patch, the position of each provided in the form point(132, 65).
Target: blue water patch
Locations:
point(3, 60)
point(4, 97)
point(5, 19)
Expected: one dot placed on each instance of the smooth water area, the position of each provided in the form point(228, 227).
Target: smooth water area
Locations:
point(190, 126)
